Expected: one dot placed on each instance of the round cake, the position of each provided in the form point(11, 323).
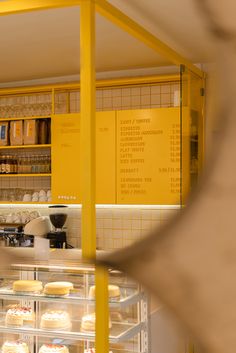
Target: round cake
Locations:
point(27, 286)
point(58, 288)
point(19, 316)
point(88, 322)
point(15, 347)
point(55, 319)
point(113, 292)
point(53, 348)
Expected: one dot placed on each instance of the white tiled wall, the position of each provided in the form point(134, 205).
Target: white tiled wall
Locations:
point(135, 97)
point(117, 226)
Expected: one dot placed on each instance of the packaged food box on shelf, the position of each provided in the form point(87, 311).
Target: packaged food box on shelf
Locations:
point(4, 136)
point(16, 132)
point(30, 132)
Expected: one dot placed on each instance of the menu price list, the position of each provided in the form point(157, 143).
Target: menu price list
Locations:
point(148, 156)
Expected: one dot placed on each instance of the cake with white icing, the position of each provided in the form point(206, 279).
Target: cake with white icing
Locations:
point(88, 322)
point(15, 347)
point(19, 316)
point(53, 348)
point(55, 319)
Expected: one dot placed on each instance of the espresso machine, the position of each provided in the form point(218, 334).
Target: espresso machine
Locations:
point(58, 218)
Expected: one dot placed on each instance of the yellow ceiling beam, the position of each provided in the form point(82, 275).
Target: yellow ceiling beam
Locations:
point(126, 23)
point(9, 7)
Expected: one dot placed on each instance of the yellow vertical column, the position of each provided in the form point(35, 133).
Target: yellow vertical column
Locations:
point(87, 127)
point(88, 108)
point(102, 311)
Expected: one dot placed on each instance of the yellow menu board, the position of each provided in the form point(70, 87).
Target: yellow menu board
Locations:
point(65, 183)
point(65, 158)
point(106, 157)
point(148, 156)
point(186, 153)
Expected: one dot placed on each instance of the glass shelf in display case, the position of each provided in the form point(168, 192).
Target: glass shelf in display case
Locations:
point(38, 318)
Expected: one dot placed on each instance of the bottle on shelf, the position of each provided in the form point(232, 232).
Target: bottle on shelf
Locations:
point(8, 165)
point(19, 165)
point(23, 164)
point(15, 164)
point(3, 165)
point(1, 157)
point(11, 164)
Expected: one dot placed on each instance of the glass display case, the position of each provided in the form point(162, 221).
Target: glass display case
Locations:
point(37, 317)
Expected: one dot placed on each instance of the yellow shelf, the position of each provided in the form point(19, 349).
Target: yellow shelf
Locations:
point(27, 118)
point(25, 175)
point(22, 202)
point(25, 146)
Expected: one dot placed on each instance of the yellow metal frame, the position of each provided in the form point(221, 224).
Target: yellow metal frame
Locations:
point(87, 23)
point(100, 84)
point(11, 7)
point(113, 14)
point(120, 19)
point(87, 126)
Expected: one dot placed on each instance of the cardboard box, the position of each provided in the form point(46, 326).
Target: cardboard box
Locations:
point(16, 132)
point(30, 132)
point(4, 133)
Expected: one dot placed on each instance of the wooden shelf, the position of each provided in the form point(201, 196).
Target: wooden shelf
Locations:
point(25, 146)
point(25, 175)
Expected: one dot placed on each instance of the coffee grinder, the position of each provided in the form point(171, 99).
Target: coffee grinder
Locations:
point(58, 236)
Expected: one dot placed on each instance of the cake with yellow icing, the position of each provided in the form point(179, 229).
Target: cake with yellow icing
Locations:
point(27, 286)
point(58, 288)
point(55, 319)
point(53, 348)
point(113, 292)
point(15, 347)
point(19, 316)
point(88, 322)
